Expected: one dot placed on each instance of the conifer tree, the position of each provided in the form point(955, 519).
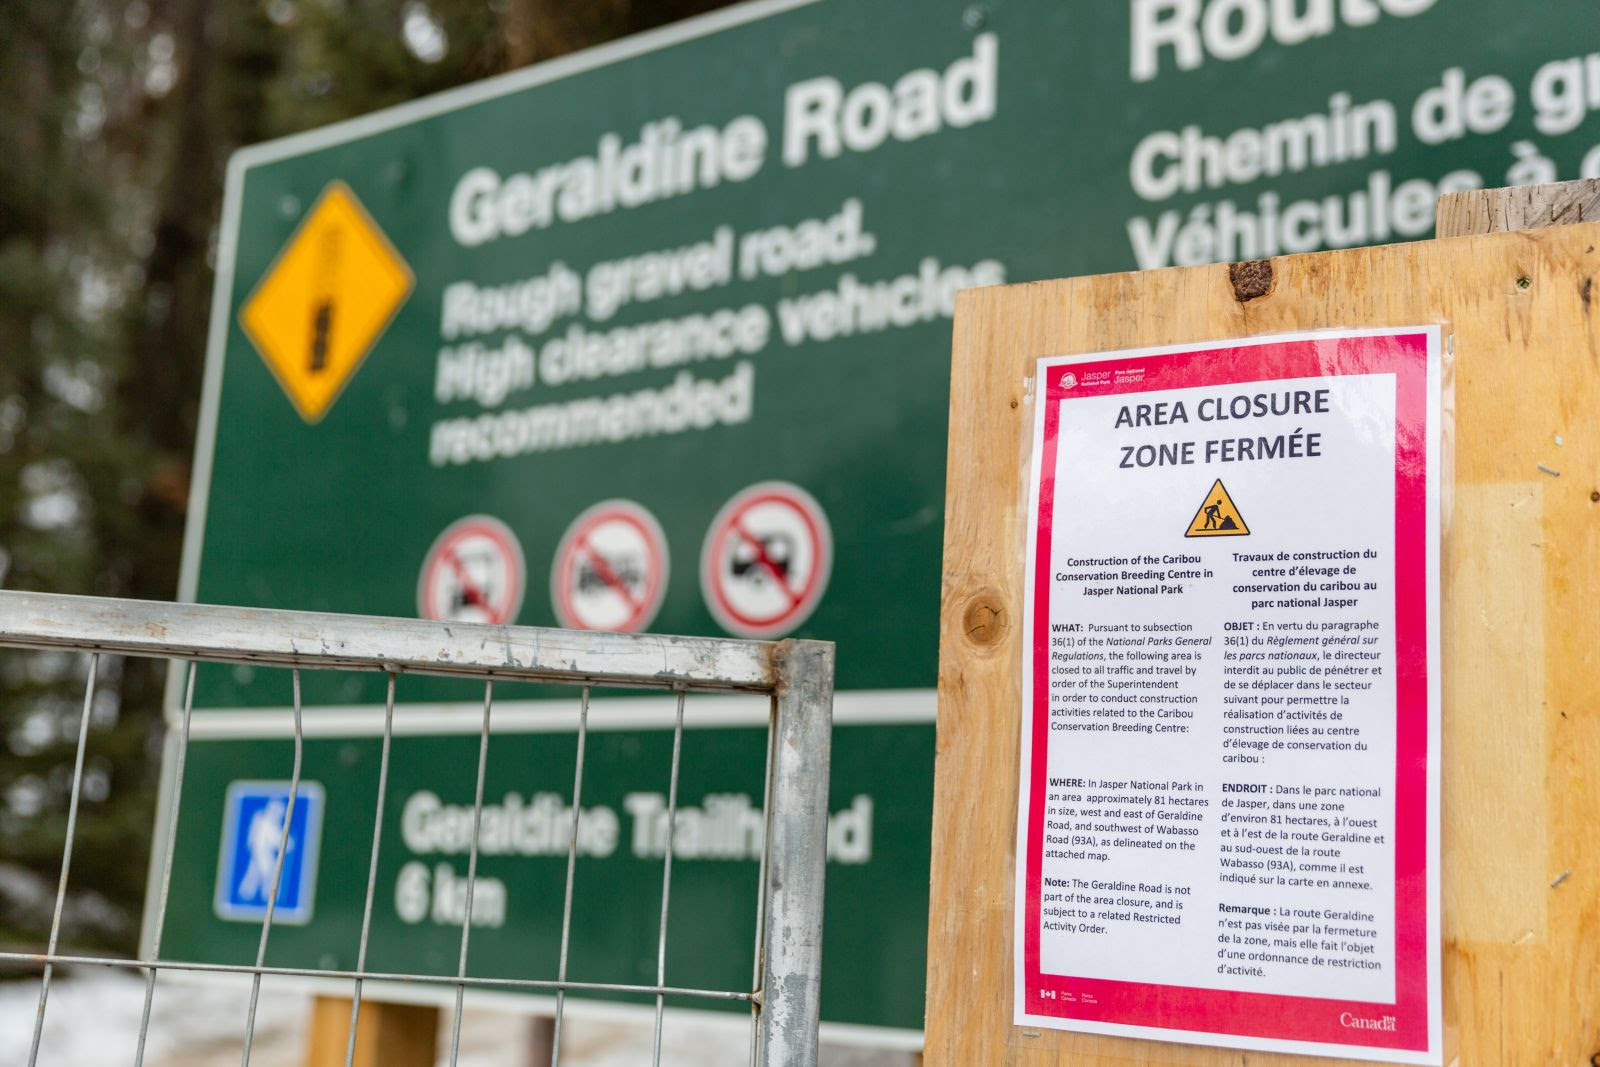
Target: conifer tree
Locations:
point(118, 119)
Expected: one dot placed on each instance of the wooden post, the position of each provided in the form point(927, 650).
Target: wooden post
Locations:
point(1522, 207)
point(541, 1040)
point(388, 1035)
point(1521, 626)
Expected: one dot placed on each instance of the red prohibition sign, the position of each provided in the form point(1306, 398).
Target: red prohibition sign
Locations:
point(610, 570)
point(473, 572)
point(766, 560)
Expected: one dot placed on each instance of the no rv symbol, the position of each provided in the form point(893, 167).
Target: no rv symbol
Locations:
point(766, 560)
point(473, 573)
point(610, 571)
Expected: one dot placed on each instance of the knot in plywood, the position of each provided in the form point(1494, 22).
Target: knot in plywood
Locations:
point(985, 619)
point(1250, 279)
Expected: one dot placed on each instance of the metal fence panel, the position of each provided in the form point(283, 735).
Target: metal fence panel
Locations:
point(784, 993)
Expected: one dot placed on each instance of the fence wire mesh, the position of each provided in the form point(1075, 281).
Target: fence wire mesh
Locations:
point(797, 675)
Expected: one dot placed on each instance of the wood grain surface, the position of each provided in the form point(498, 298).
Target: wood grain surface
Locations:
point(1521, 207)
point(1521, 624)
point(388, 1035)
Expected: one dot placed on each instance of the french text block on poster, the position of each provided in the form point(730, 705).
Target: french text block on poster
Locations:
point(1228, 817)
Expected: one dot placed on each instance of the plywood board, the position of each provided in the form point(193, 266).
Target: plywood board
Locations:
point(388, 1035)
point(1521, 207)
point(1521, 624)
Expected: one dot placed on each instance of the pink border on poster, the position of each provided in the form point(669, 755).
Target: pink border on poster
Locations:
point(1264, 1015)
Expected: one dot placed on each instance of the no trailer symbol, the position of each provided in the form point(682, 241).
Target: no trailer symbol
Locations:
point(766, 560)
point(610, 571)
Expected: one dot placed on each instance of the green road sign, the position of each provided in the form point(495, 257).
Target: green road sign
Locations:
point(656, 336)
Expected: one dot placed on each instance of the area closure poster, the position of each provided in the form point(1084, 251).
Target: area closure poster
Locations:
point(1228, 824)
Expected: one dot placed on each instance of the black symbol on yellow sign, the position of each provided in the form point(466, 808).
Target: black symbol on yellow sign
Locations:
point(1218, 516)
point(321, 327)
point(324, 302)
point(325, 291)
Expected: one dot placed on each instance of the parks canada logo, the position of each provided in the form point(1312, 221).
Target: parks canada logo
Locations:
point(1068, 380)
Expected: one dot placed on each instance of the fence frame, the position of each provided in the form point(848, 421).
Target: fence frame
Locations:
point(797, 674)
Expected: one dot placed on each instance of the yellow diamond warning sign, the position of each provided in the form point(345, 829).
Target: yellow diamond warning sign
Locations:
point(1217, 517)
point(326, 299)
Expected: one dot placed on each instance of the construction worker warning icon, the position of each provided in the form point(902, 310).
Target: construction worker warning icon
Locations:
point(610, 570)
point(1218, 516)
point(473, 573)
point(766, 560)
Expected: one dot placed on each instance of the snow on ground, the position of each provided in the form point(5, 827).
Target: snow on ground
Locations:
point(92, 1019)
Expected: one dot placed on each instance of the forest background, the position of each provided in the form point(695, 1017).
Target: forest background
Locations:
point(117, 118)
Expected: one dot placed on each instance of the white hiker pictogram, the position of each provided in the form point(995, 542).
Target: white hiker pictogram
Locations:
point(262, 839)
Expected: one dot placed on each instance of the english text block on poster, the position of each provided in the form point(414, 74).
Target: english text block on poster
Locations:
point(1228, 828)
